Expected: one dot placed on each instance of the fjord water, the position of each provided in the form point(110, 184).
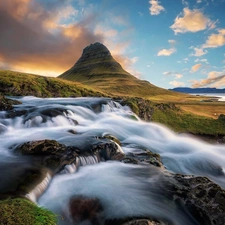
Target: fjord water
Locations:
point(124, 190)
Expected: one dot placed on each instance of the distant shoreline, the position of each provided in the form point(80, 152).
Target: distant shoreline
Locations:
point(220, 96)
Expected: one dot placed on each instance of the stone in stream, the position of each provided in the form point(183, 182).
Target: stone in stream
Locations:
point(82, 209)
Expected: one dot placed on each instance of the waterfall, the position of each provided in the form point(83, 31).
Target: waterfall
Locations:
point(34, 194)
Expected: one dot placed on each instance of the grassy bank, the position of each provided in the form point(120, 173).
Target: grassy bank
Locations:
point(20, 211)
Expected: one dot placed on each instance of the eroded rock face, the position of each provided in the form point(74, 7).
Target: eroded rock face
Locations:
point(204, 199)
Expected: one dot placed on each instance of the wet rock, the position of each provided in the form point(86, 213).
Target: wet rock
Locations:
point(109, 150)
point(52, 154)
point(82, 208)
point(133, 221)
point(204, 199)
point(142, 107)
point(42, 147)
point(142, 222)
point(144, 157)
point(7, 104)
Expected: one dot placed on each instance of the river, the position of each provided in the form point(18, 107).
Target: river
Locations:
point(123, 189)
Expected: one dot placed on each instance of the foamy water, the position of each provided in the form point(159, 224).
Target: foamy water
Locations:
point(124, 190)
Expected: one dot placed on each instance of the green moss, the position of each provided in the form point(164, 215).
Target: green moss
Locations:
point(20, 211)
point(181, 121)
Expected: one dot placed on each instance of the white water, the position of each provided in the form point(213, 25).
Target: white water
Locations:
point(123, 189)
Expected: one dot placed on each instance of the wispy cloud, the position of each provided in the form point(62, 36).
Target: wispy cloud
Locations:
point(167, 73)
point(198, 51)
point(196, 67)
point(166, 52)
point(201, 60)
point(174, 74)
point(190, 21)
point(178, 75)
point(155, 8)
point(215, 40)
point(177, 83)
point(213, 80)
point(172, 41)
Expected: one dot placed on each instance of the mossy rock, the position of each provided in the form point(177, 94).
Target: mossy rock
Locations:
point(20, 211)
point(7, 104)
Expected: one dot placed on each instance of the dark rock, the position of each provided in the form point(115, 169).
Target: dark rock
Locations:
point(42, 147)
point(53, 154)
point(133, 221)
point(142, 107)
point(204, 199)
point(142, 222)
point(143, 156)
point(82, 208)
point(109, 150)
point(7, 104)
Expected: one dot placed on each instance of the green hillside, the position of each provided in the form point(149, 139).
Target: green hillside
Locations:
point(22, 84)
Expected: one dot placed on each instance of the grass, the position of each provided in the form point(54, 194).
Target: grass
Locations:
point(211, 110)
point(23, 212)
point(182, 121)
point(22, 84)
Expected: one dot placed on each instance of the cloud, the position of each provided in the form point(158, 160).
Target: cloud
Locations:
point(215, 40)
point(213, 80)
point(198, 52)
point(174, 74)
point(195, 68)
point(167, 73)
point(190, 21)
point(155, 8)
point(178, 76)
point(48, 37)
point(201, 60)
point(166, 52)
point(177, 83)
point(199, 1)
point(172, 41)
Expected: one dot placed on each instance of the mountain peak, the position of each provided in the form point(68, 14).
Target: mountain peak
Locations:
point(95, 61)
point(95, 51)
point(98, 69)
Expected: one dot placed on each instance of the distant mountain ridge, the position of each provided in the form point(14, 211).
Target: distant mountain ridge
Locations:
point(98, 69)
point(198, 90)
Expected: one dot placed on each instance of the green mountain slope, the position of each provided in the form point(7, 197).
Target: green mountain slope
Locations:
point(97, 68)
point(22, 84)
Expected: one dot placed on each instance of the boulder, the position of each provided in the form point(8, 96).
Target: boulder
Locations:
point(204, 199)
point(82, 208)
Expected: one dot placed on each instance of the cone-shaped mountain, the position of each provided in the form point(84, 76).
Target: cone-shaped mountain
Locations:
point(98, 69)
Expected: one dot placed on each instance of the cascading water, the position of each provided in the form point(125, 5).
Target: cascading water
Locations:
point(124, 190)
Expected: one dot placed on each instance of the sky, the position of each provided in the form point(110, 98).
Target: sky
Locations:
point(170, 43)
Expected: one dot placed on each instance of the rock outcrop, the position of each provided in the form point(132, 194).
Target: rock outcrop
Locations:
point(7, 104)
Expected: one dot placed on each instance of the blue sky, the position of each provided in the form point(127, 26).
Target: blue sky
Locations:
point(169, 42)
